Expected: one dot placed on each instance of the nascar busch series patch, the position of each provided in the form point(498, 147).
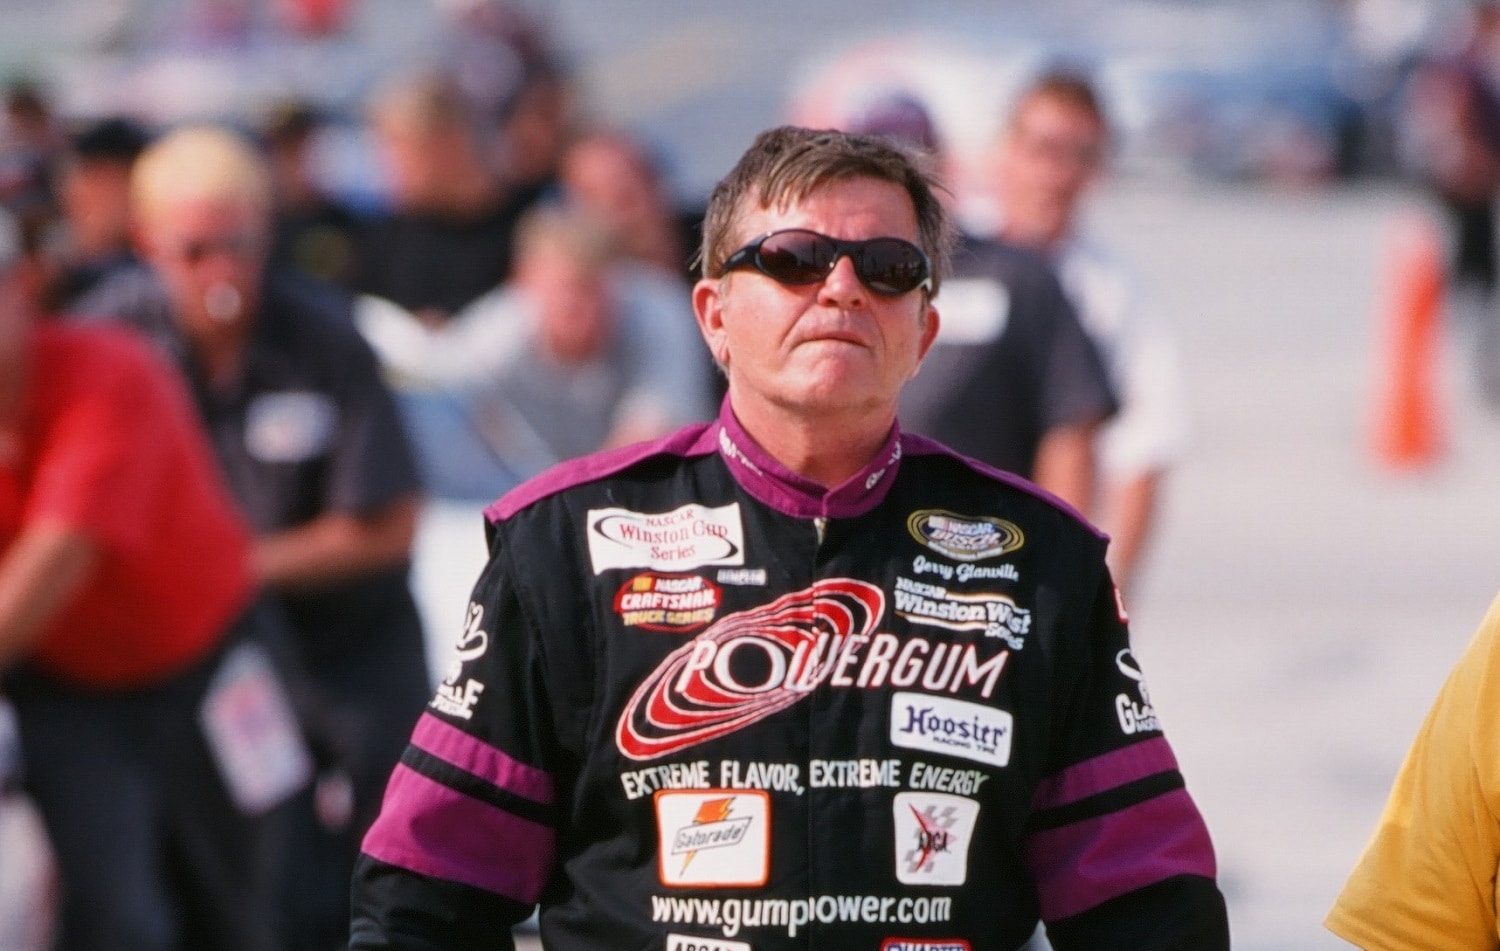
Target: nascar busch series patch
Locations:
point(660, 602)
point(964, 537)
point(751, 664)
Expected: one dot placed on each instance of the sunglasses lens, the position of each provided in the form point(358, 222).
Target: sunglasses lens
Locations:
point(887, 266)
point(796, 257)
point(891, 266)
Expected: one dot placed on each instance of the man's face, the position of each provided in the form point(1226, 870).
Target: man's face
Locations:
point(824, 349)
point(572, 305)
point(1049, 157)
point(95, 197)
point(607, 179)
point(209, 254)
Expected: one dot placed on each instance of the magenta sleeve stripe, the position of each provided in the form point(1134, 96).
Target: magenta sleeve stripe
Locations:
point(481, 759)
point(1081, 865)
point(1103, 773)
point(432, 830)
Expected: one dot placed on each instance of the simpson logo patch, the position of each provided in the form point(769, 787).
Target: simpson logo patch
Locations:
point(933, 831)
point(964, 537)
point(713, 838)
point(685, 538)
point(667, 602)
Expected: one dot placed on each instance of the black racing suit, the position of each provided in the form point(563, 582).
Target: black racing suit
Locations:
point(702, 703)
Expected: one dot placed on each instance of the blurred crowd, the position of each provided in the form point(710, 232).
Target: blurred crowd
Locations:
point(518, 294)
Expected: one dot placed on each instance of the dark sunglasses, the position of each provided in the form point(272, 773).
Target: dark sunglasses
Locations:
point(888, 266)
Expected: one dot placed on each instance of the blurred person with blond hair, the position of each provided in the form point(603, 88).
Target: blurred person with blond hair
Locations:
point(156, 737)
point(314, 450)
point(573, 355)
point(1046, 159)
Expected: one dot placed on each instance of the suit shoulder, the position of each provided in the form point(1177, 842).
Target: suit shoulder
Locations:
point(935, 453)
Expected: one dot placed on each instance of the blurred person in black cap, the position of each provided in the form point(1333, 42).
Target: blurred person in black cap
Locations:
point(94, 197)
point(1010, 345)
point(314, 233)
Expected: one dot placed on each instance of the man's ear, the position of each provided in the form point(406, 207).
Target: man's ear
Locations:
point(708, 306)
point(930, 324)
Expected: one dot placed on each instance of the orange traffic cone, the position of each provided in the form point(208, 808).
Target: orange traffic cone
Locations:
point(1406, 432)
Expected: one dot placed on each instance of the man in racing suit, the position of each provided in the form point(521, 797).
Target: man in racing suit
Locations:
point(794, 679)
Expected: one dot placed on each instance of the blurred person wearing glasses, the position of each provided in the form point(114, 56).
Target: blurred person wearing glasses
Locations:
point(313, 448)
point(794, 678)
point(1045, 162)
point(1010, 343)
point(156, 737)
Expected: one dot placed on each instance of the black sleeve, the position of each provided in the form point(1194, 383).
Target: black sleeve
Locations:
point(466, 838)
point(1185, 913)
point(1120, 855)
point(393, 910)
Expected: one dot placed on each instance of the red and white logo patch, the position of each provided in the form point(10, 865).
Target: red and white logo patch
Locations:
point(658, 602)
point(747, 666)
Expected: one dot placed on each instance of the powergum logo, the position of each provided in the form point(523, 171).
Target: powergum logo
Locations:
point(658, 602)
point(964, 537)
point(713, 837)
point(924, 944)
point(746, 666)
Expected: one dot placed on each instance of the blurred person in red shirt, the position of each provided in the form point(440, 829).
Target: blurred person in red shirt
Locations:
point(156, 738)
